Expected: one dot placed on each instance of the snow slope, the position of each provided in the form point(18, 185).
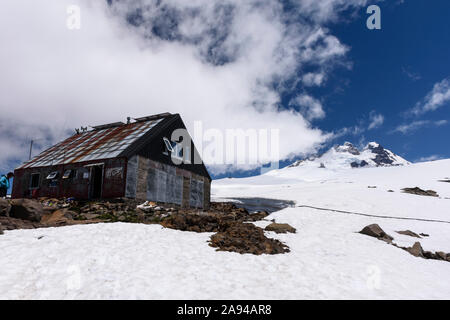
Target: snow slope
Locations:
point(328, 258)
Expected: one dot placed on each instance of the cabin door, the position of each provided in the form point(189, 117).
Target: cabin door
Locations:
point(96, 182)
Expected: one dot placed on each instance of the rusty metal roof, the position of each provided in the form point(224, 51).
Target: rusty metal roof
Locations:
point(104, 142)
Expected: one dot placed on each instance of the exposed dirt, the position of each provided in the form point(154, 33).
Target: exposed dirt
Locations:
point(246, 238)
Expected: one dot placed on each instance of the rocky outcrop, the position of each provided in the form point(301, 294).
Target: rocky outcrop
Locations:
point(347, 147)
point(359, 164)
point(382, 157)
point(416, 250)
point(374, 230)
point(280, 228)
point(409, 233)
point(420, 192)
point(26, 209)
point(230, 223)
point(58, 217)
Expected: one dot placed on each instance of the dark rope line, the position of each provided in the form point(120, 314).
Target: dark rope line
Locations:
point(372, 215)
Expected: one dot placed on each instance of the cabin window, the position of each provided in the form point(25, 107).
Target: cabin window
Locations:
point(68, 174)
point(52, 175)
point(34, 181)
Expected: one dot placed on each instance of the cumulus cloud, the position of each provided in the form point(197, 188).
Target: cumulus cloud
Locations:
point(313, 79)
point(436, 98)
point(207, 60)
point(376, 120)
point(310, 107)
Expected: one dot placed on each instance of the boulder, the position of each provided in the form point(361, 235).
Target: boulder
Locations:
point(416, 250)
point(5, 207)
point(61, 216)
point(26, 209)
point(374, 230)
point(409, 233)
point(280, 228)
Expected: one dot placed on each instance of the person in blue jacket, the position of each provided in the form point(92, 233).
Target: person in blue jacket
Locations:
point(4, 184)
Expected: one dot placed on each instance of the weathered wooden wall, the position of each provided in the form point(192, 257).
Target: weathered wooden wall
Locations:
point(151, 180)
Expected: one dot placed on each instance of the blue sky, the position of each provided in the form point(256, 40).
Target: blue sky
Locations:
point(247, 62)
point(391, 71)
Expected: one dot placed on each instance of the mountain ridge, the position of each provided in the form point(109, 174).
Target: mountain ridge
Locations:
point(349, 156)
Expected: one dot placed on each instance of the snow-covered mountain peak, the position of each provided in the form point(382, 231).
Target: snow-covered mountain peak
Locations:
point(348, 156)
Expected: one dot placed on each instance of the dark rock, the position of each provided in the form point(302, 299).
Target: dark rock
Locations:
point(280, 228)
point(409, 233)
point(382, 156)
point(356, 164)
point(441, 255)
point(246, 238)
point(420, 192)
point(5, 207)
point(374, 230)
point(424, 234)
point(26, 209)
point(1, 229)
point(430, 255)
point(390, 191)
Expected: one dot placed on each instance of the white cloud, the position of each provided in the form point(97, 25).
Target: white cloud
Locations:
point(436, 98)
point(325, 10)
point(310, 107)
point(207, 60)
point(433, 157)
point(376, 120)
point(440, 122)
point(411, 74)
point(313, 79)
point(415, 125)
